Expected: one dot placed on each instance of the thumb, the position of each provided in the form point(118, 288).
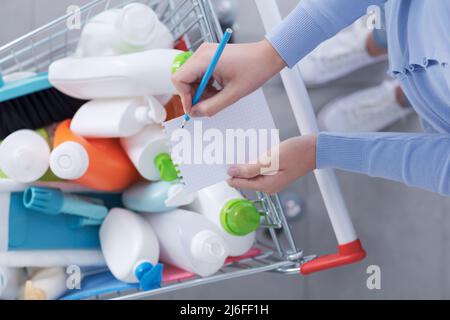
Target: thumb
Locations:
point(246, 171)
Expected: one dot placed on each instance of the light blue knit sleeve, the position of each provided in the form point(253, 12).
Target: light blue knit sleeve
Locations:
point(312, 22)
point(419, 160)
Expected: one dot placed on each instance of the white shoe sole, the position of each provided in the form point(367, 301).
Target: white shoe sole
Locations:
point(324, 114)
point(344, 72)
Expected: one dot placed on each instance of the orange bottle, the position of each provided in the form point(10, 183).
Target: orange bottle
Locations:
point(99, 164)
point(174, 108)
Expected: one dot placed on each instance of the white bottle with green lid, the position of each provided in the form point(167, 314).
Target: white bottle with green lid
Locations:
point(236, 216)
point(150, 153)
point(189, 241)
point(128, 75)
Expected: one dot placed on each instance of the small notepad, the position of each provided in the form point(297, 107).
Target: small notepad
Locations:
point(201, 138)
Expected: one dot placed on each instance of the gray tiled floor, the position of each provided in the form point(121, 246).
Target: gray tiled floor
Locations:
point(403, 229)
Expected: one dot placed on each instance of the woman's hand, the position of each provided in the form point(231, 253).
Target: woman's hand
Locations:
point(297, 157)
point(242, 68)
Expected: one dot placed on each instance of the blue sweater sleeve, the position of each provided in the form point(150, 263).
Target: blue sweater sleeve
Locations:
point(420, 160)
point(312, 22)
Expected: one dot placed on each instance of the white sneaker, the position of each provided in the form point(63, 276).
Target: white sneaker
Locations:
point(338, 56)
point(368, 110)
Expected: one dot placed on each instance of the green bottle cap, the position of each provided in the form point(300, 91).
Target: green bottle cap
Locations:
point(180, 60)
point(167, 169)
point(239, 217)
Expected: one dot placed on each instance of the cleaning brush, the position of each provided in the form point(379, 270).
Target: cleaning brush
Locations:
point(32, 103)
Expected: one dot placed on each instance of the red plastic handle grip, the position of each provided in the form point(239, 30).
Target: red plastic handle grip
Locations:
point(347, 253)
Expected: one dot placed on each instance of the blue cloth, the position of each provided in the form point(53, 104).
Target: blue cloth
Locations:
point(419, 53)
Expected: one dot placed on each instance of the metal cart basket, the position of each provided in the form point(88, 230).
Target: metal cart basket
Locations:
point(193, 21)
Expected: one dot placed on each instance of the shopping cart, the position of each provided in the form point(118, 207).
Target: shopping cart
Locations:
point(194, 22)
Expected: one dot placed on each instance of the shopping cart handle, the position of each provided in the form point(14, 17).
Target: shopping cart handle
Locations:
point(347, 253)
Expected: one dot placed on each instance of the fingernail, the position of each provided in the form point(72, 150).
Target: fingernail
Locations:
point(233, 171)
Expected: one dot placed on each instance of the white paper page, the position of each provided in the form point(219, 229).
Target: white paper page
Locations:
point(251, 114)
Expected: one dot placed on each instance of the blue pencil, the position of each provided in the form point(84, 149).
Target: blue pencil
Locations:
point(209, 72)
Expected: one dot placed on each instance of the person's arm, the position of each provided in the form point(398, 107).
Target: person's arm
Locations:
point(419, 160)
point(312, 22)
point(243, 68)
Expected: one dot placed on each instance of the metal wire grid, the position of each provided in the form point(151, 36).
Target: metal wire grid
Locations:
point(195, 22)
point(36, 50)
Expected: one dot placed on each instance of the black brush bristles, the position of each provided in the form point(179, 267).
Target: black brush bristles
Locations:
point(36, 110)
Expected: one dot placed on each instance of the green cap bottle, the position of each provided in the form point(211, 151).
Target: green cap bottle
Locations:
point(239, 217)
point(167, 169)
point(180, 60)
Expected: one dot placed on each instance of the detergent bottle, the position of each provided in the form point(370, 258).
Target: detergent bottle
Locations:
point(157, 196)
point(132, 28)
point(189, 241)
point(112, 118)
point(236, 217)
point(149, 152)
point(46, 284)
point(46, 133)
point(12, 281)
point(24, 156)
point(129, 75)
point(130, 248)
point(100, 164)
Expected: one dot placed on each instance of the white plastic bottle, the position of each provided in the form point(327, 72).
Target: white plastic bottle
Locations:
point(129, 245)
point(135, 27)
point(46, 284)
point(189, 241)
point(236, 217)
point(130, 75)
point(149, 152)
point(24, 156)
point(114, 118)
point(157, 196)
point(12, 281)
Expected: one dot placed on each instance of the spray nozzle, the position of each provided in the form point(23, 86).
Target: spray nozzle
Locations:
point(152, 112)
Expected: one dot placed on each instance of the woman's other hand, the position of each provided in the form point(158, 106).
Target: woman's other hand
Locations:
point(296, 156)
